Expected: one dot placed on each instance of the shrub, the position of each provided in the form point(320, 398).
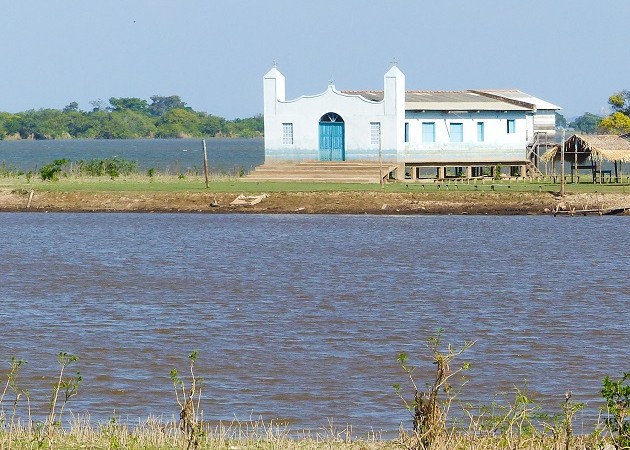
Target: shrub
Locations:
point(51, 171)
point(617, 396)
point(428, 409)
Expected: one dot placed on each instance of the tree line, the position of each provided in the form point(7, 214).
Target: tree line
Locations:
point(125, 118)
point(617, 122)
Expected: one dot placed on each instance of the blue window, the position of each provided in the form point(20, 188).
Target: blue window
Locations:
point(457, 132)
point(406, 131)
point(511, 126)
point(428, 131)
point(480, 132)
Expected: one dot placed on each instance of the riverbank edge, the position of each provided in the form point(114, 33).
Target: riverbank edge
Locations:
point(334, 202)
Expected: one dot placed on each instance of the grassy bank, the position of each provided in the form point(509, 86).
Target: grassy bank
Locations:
point(138, 182)
point(187, 193)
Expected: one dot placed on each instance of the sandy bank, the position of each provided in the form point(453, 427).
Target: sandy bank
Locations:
point(515, 203)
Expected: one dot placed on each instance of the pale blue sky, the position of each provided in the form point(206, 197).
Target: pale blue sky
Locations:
point(215, 53)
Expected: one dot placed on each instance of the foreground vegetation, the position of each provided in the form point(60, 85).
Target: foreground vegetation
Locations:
point(519, 424)
point(115, 175)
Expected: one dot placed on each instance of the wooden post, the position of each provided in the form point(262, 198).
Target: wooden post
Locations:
point(30, 199)
point(562, 164)
point(205, 161)
point(380, 155)
point(575, 149)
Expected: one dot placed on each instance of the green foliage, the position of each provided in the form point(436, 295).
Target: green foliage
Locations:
point(251, 127)
point(587, 123)
point(189, 404)
point(113, 167)
point(497, 172)
point(617, 396)
point(12, 386)
point(71, 107)
point(617, 123)
point(561, 121)
point(620, 102)
point(178, 123)
point(428, 409)
point(9, 125)
point(50, 172)
point(68, 387)
point(129, 104)
point(511, 419)
point(160, 105)
point(126, 118)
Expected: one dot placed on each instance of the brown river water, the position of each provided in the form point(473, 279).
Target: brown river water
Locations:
point(300, 318)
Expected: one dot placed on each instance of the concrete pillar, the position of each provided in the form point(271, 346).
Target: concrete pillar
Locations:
point(440, 172)
point(469, 172)
point(400, 172)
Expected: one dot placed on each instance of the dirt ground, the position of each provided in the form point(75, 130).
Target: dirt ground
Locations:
point(313, 202)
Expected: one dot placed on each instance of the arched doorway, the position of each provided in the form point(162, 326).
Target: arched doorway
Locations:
point(331, 138)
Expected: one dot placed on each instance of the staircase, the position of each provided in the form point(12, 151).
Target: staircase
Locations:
point(335, 172)
point(535, 149)
point(532, 170)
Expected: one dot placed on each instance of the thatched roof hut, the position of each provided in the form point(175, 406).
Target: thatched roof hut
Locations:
point(597, 147)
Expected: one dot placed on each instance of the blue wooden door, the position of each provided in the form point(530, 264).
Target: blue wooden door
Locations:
point(331, 141)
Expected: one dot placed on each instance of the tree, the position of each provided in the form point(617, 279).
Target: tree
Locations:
point(179, 123)
point(71, 107)
point(619, 121)
point(98, 105)
point(129, 104)
point(9, 124)
point(620, 102)
point(133, 124)
point(211, 125)
point(616, 123)
point(586, 123)
point(43, 124)
point(560, 120)
point(161, 105)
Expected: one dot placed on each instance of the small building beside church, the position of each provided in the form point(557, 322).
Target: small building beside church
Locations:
point(411, 129)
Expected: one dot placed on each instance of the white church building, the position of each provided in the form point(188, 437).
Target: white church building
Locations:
point(445, 131)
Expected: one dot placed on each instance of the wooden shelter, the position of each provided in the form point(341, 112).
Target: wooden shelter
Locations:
point(586, 151)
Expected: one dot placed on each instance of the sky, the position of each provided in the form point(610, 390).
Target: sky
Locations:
point(214, 54)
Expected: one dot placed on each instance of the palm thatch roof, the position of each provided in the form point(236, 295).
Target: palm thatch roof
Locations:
point(598, 147)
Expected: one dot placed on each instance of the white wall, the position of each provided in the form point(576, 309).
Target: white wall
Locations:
point(498, 145)
point(357, 112)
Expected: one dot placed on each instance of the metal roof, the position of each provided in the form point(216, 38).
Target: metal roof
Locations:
point(515, 94)
point(451, 101)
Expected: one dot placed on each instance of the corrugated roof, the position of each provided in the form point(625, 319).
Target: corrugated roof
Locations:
point(515, 94)
point(448, 100)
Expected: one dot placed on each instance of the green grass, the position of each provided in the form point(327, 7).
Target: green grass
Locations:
point(164, 183)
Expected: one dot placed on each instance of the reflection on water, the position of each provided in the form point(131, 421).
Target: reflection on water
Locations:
point(301, 317)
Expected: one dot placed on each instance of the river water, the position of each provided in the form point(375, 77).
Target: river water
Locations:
point(300, 317)
point(174, 155)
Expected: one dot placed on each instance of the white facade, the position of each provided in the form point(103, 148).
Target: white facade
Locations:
point(416, 127)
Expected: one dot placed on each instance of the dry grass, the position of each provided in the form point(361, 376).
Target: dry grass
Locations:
point(154, 433)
